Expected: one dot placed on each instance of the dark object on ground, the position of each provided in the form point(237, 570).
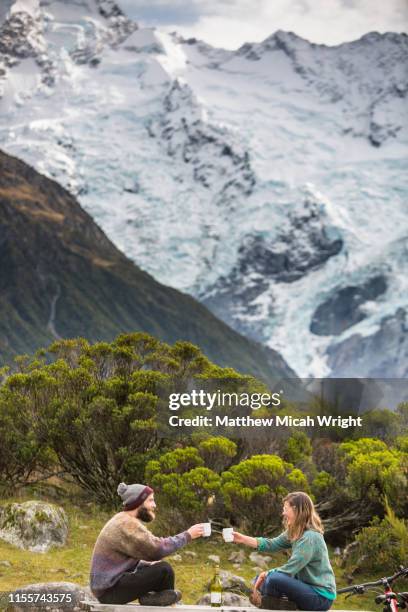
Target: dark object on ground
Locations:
point(161, 598)
point(340, 521)
point(277, 603)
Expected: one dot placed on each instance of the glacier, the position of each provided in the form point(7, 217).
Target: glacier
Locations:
point(269, 182)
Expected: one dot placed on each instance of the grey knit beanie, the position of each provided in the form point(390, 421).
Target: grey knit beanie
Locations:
point(133, 495)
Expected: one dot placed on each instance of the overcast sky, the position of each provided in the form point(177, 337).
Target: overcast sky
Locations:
point(230, 23)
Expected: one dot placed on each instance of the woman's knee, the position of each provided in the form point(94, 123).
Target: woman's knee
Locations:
point(276, 579)
point(274, 584)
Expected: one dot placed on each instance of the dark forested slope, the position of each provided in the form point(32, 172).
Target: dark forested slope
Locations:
point(60, 276)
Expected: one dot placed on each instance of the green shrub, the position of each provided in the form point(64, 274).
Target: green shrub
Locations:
point(184, 498)
point(402, 411)
point(362, 446)
point(217, 452)
point(98, 407)
point(380, 423)
point(177, 461)
point(297, 448)
point(383, 546)
point(401, 444)
point(253, 490)
point(23, 450)
point(326, 457)
point(324, 485)
point(373, 471)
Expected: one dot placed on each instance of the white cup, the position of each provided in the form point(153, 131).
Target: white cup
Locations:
point(227, 534)
point(207, 529)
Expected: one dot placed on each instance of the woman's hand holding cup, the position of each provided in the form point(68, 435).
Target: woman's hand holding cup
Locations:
point(228, 534)
point(237, 537)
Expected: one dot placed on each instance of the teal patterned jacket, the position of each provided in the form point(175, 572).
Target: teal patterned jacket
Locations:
point(308, 562)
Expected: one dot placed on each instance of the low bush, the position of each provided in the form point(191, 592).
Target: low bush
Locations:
point(373, 471)
point(383, 546)
point(253, 491)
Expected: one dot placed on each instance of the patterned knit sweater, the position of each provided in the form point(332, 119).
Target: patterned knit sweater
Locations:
point(122, 543)
point(309, 561)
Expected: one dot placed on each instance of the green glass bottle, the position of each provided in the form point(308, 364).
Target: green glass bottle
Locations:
point(216, 589)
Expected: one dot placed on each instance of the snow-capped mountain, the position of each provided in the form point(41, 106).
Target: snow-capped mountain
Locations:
point(270, 182)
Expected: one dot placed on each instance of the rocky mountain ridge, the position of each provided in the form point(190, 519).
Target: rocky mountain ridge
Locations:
point(268, 182)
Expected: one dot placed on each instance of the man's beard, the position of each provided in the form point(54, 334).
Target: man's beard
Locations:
point(145, 515)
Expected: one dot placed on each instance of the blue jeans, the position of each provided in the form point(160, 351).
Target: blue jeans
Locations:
point(305, 598)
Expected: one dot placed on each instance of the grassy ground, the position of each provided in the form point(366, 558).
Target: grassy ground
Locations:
point(71, 563)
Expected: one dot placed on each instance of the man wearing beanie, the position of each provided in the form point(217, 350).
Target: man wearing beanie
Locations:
point(126, 562)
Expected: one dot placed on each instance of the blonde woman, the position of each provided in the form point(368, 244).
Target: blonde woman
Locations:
point(307, 579)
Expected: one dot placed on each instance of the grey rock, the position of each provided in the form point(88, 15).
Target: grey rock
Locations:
point(295, 253)
point(21, 37)
point(304, 243)
point(382, 355)
point(177, 557)
point(260, 560)
point(190, 553)
point(186, 137)
point(231, 582)
point(76, 593)
point(33, 525)
point(238, 556)
point(214, 558)
point(5, 564)
point(228, 599)
point(343, 308)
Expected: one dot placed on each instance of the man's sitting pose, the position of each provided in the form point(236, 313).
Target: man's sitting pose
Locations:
point(126, 559)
